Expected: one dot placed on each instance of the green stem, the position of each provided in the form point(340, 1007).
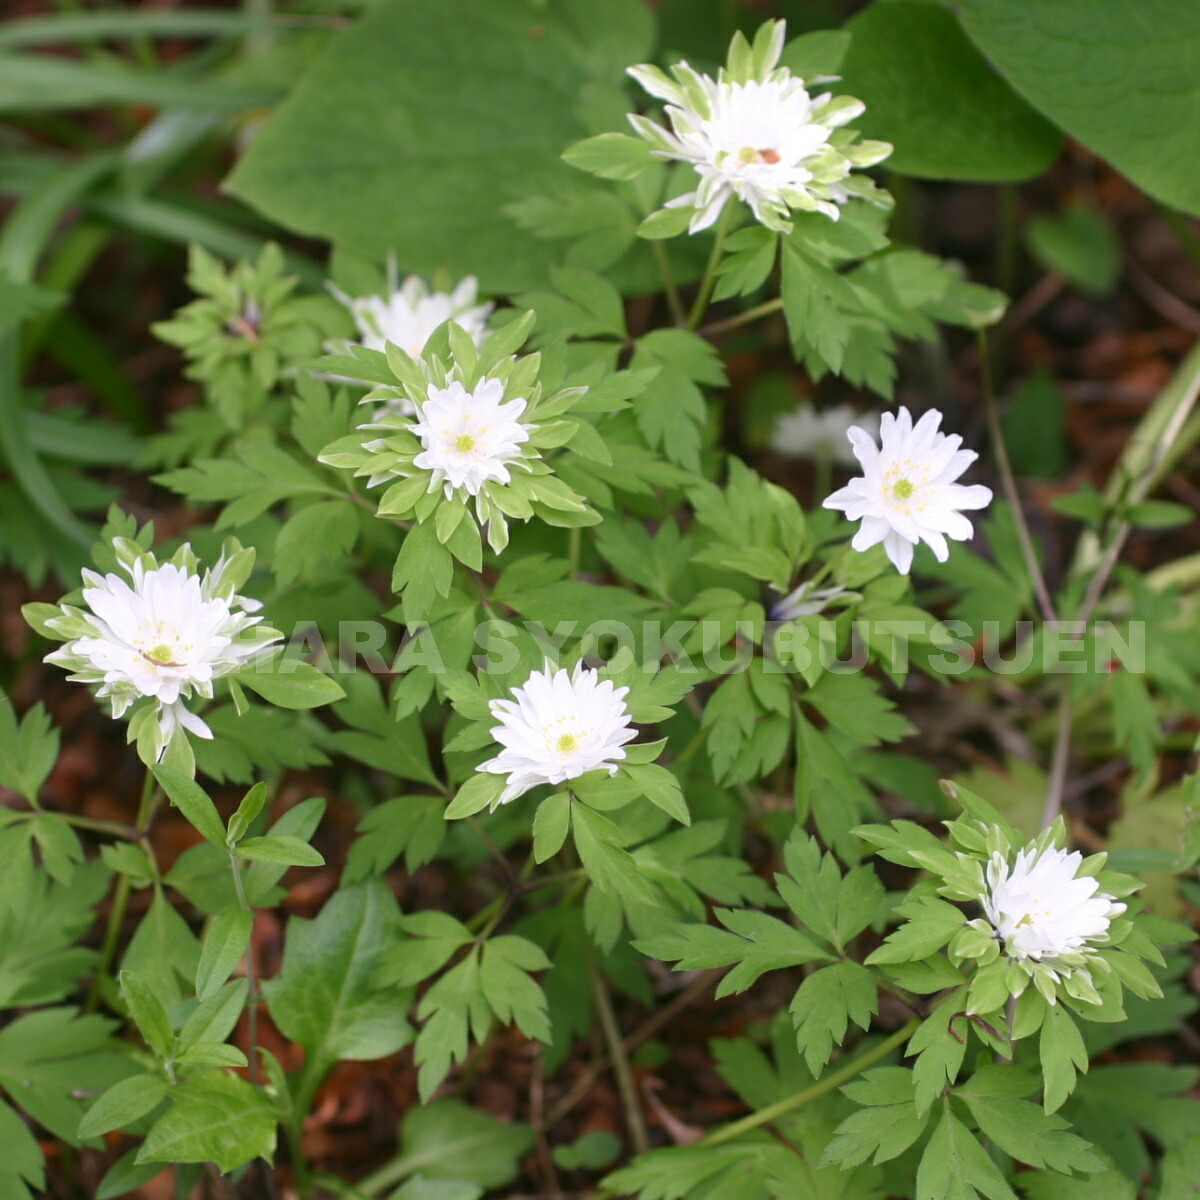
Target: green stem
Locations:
point(626, 1087)
point(116, 914)
point(674, 303)
point(709, 281)
point(835, 1079)
point(765, 309)
point(1009, 483)
point(1185, 235)
point(574, 551)
point(1062, 755)
point(251, 978)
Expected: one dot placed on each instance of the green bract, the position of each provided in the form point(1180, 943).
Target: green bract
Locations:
point(387, 449)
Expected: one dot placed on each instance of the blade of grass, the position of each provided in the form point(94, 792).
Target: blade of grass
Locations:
point(94, 26)
point(21, 245)
point(40, 83)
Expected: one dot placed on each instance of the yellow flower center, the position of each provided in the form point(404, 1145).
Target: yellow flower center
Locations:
point(567, 743)
point(160, 654)
point(903, 489)
point(748, 154)
point(464, 443)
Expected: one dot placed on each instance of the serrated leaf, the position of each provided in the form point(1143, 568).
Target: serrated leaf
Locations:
point(324, 996)
point(216, 1118)
point(825, 1004)
point(956, 1167)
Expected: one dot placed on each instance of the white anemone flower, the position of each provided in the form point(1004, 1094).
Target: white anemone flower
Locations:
point(1042, 909)
point(557, 726)
point(808, 432)
point(907, 492)
point(765, 140)
point(167, 636)
point(805, 601)
point(409, 315)
point(469, 437)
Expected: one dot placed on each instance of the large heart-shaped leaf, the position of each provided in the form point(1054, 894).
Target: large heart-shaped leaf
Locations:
point(1119, 76)
point(931, 94)
point(422, 121)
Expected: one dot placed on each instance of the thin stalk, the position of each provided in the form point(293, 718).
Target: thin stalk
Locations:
point(709, 280)
point(835, 1079)
point(116, 914)
point(620, 1060)
point(574, 551)
point(1009, 483)
point(765, 309)
point(251, 977)
point(674, 303)
point(115, 829)
point(1062, 755)
point(1184, 233)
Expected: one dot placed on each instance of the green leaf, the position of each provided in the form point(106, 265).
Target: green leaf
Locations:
point(509, 990)
point(756, 942)
point(27, 751)
point(551, 823)
point(324, 996)
point(661, 788)
point(49, 1057)
point(289, 851)
point(290, 683)
point(931, 924)
point(123, 1104)
point(222, 950)
point(608, 864)
point(824, 1005)
point(147, 1012)
point(1079, 245)
point(163, 951)
point(940, 1050)
point(1098, 101)
point(216, 1118)
point(22, 1166)
point(410, 825)
point(1180, 1170)
point(956, 1167)
point(1062, 1053)
point(884, 1129)
point(931, 94)
point(191, 800)
point(482, 790)
point(611, 156)
point(451, 1140)
point(426, 183)
point(1020, 1128)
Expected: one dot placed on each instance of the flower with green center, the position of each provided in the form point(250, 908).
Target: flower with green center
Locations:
point(474, 429)
point(907, 493)
point(558, 725)
point(756, 133)
point(469, 437)
point(167, 634)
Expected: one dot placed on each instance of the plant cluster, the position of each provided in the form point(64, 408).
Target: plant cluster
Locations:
point(498, 573)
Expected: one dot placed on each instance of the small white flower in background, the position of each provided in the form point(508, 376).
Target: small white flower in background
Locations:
point(804, 601)
point(469, 437)
point(166, 635)
point(410, 314)
point(907, 492)
point(1041, 908)
point(756, 133)
point(407, 318)
point(808, 432)
point(558, 725)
